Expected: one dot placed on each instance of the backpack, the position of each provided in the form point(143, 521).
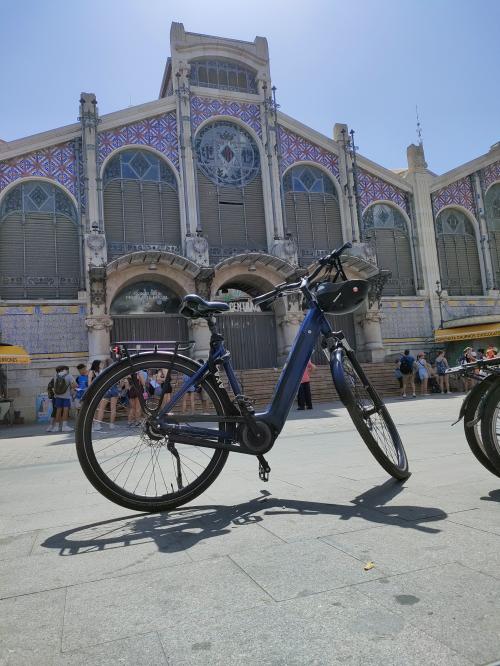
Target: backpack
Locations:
point(406, 366)
point(50, 389)
point(60, 385)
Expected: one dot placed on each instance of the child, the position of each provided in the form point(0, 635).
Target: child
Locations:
point(82, 383)
point(63, 383)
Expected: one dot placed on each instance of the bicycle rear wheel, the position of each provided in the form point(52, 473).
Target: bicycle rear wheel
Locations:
point(490, 427)
point(369, 414)
point(132, 465)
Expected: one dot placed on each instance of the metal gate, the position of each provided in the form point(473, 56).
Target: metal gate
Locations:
point(343, 323)
point(251, 339)
point(149, 327)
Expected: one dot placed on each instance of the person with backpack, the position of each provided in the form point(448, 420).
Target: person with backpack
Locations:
point(52, 398)
point(63, 383)
point(441, 367)
point(407, 366)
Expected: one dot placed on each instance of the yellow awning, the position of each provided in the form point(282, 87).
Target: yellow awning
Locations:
point(467, 332)
point(13, 355)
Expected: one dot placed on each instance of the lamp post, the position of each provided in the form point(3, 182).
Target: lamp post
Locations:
point(439, 292)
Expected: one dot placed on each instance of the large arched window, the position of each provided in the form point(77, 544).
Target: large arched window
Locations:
point(492, 205)
point(223, 74)
point(230, 195)
point(312, 212)
point(40, 247)
point(386, 227)
point(141, 204)
point(458, 255)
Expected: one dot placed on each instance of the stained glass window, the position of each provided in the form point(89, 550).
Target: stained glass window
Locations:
point(305, 178)
point(383, 216)
point(224, 75)
point(139, 165)
point(227, 154)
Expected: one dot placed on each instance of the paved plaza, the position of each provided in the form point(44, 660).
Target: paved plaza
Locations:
point(255, 573)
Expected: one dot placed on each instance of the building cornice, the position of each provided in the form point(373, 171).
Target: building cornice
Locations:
point(34, 142)
point(493, 155)
point(135, 113)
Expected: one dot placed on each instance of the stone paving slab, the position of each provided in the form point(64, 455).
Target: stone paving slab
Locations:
point(220, 581)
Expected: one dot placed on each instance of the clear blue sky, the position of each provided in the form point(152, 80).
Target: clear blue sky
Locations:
point(363, 62)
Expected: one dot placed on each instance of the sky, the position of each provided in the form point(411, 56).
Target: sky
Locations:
point(366, 63)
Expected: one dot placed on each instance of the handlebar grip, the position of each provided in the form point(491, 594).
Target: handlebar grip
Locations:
point(339, 251)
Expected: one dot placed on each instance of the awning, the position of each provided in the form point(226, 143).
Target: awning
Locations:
point(467, 332)
point(13, 355)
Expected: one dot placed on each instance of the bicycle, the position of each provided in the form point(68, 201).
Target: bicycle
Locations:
point(473, 410)
point(166, 463)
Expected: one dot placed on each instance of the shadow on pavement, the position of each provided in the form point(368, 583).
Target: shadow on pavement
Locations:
point(181, 529)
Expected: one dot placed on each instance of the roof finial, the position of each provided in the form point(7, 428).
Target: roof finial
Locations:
point(419, 127)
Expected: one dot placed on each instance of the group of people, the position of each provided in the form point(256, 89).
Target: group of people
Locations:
point(410, 370)
point(66, 391)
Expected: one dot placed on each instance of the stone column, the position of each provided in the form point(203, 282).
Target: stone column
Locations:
point(421, 179)
point(98, 321)
point(491, 288)
point(351, 224)
point(99, 327)
point(289, 317)
point(196, 246)
point(199, 333)
point(372, 346)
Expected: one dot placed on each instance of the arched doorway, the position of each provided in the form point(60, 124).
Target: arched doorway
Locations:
point(147, 310)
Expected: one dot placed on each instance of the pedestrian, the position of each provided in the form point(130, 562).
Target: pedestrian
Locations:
point(480, 354)
point(111, 396)
point(423, 373)
point(407, 367)
point(95, 369)
point(63, 383)
point(304, 394)
point(441, 367)
point(491, 352)
point(82, 384)
point(191, 393)
point(52, 398)
point(398, 374)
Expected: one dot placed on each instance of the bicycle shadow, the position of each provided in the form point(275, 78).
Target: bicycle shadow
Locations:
point(181, 529)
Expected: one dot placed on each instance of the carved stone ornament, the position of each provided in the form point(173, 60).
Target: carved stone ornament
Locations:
point(376, 286)
point(203, 282)
point(99, 323)
point(97, 282)
point(286, 250)
point(95, 242)
point(197, 250)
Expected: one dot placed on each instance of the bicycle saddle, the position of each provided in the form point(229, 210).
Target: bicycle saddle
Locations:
point(194, 307)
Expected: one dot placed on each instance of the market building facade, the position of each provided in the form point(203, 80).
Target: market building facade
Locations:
point(107, 223)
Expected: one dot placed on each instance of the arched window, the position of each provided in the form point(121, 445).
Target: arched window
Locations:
point(312, 212)
point(458, 255)
point(224, 75)
point(386, 227)
point(141, 204)
point(492, 205)
point(230, 195)
point(40, 247)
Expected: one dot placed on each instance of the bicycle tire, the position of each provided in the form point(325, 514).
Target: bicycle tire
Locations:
point(86, 443)
point(490, 426)
point(356, 393)
point(472, 430)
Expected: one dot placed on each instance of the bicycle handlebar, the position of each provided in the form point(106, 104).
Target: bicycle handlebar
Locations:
point(282, 288)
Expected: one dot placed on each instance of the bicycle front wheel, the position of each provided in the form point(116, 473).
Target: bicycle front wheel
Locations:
point(490, 427)
point(472, 425)
point(131, 464)
point(369, 414)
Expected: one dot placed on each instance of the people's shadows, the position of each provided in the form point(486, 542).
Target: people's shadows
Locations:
point(493, 496)
point(181, 529)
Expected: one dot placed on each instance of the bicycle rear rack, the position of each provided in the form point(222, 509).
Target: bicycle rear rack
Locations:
point(136, 347)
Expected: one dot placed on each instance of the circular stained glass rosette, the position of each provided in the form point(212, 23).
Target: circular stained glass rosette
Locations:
point(227, 154)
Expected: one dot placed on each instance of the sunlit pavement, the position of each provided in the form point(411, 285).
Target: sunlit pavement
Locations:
point(255, 573)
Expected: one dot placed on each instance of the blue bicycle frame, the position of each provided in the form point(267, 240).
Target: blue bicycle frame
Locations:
point(314, 324)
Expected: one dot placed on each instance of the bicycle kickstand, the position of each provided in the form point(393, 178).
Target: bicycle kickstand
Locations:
point(264, 469)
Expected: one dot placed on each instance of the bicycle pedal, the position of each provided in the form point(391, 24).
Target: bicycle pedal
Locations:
point(264, 469)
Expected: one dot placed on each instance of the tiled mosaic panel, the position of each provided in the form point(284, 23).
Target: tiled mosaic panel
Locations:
point(406, 319)
point(372, 188)
point(295, 148)
point(159, 133)
point(44, 330)
point(203, 108)
point(459, 193)
point(490, 174)
point(56, 162)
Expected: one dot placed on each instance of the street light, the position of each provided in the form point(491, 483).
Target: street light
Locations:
point(439, 292)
